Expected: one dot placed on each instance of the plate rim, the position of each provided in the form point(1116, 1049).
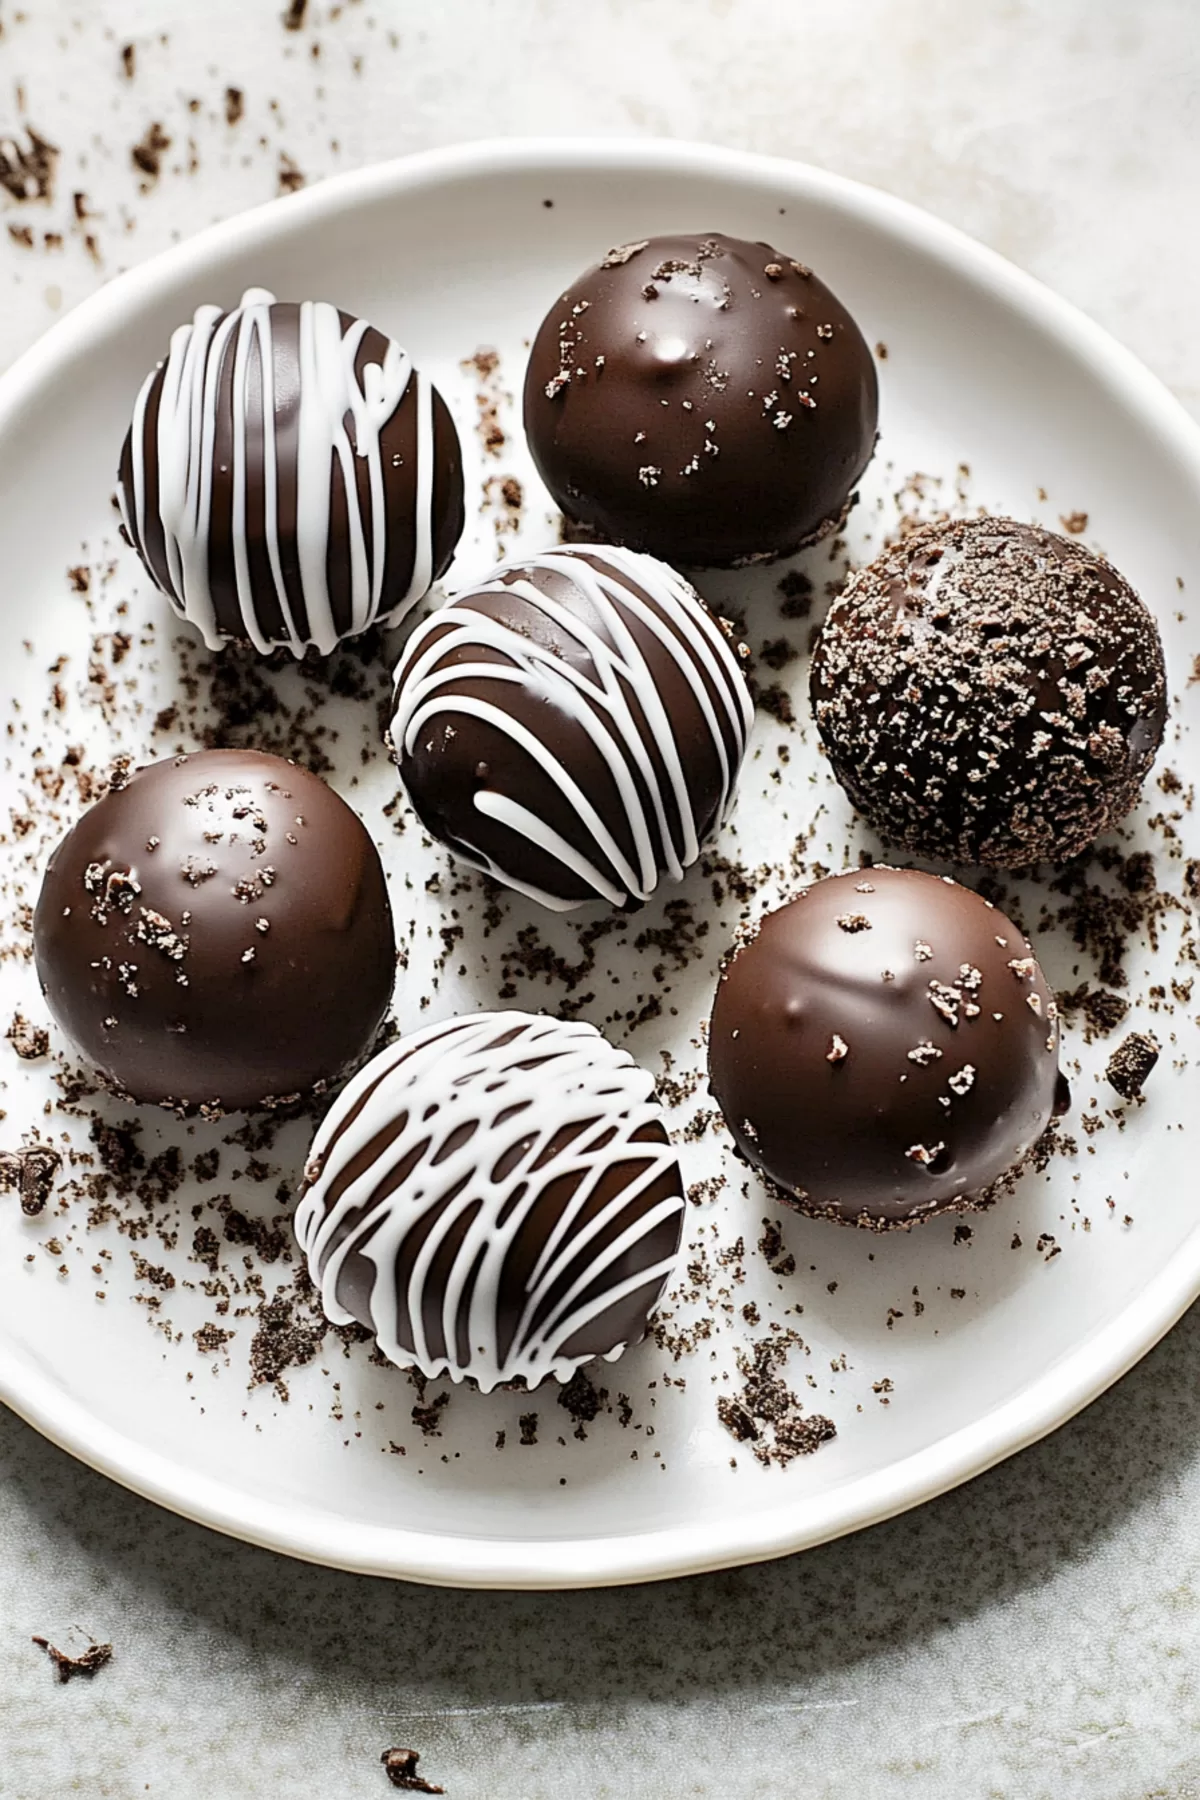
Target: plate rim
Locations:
point(1062, 1390)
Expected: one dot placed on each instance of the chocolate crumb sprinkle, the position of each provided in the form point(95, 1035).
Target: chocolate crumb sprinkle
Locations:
point(400, 1766)
point(147, 155)
point(582, 1400)
point(32, 1171)
point(1131, 1063)
point(27, 169)
point(29, 1041)
point(66, 1667)
point(853, 922)
point(765, 1413)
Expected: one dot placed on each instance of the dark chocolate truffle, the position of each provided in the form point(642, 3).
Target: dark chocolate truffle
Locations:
point(289, 478)
point(885, 1047)
point(217, 933)
point(701, 397)
point(989, 692)
point(574, 725)
point(495, 1198)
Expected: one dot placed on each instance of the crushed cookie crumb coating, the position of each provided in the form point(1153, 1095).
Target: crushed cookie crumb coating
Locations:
point(989, 692)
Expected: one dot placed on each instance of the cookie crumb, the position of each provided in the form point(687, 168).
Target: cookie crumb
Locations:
point(1131, 1063)
point(29, 1041)
point(31, 1171)
point(66, 1667)
point(400, 1767)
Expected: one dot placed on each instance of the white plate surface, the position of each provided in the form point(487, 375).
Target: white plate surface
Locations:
point(451, 252)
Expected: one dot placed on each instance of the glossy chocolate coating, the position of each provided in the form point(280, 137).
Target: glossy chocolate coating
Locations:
point(255, 510)
point(574, 725)
point(990, 692)
point(217, 933)
point(495, 1198)
point(701, 397)
point(885, 1047)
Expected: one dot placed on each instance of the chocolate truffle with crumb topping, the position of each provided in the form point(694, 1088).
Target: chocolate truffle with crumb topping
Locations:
point(216, 933)
point(885, 1047)
point(701, 397)
point(990, 692)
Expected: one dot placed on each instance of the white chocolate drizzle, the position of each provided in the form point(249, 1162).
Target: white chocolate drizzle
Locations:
point(604, 699)
point(506, 1123)
point(337, 420)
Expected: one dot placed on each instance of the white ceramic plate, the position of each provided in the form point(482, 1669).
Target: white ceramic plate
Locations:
point(450, 252)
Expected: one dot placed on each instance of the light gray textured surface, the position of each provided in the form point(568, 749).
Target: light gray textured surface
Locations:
point(1033, 1637)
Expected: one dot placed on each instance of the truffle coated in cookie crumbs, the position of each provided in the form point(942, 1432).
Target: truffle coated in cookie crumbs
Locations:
point(989, 692)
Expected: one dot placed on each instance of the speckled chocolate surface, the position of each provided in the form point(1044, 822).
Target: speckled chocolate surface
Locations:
point(885, 1047)
point(701, 397)
point(989, 692)
point(214, 934)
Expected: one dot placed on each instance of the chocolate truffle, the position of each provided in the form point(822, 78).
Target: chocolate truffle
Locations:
point(289, 478)
point(216, 933)
point(990, 692)
point(495, 1198)
point(701, 397)
point(885, 1047)
point(574, 725)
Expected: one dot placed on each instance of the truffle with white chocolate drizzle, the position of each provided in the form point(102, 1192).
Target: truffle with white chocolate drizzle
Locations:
point(289, 477)
point(574, 725)
point(885, 1047)
point(496, 1199)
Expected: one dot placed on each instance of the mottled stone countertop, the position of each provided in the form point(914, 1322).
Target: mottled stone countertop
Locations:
point(1035, 1636)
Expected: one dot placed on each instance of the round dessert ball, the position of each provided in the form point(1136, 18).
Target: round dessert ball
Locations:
point(496, 1199)
point(574, 725)
point(885, 1047)
point(289, 479)
point(216, 933)
point(990, 692)
point(701, 397)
